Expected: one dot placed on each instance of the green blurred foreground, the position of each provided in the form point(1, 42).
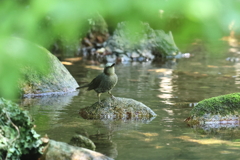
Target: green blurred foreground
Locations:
point(43, 22)
point(17, 136)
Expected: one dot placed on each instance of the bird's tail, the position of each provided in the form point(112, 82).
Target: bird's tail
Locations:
point(86, 85)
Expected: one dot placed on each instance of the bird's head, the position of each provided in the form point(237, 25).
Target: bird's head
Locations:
point(109, 69)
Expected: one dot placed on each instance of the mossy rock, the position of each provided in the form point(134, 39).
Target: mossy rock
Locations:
point(117, 108)
point(62, 151)
point(220, 105)
point(222, 109)
point(51, 77)
point(82, 141)
point(145, 42)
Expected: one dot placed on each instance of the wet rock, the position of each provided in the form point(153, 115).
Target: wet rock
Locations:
point(62, 151)
point(82, 141)
point(95, 37)
point(117, 108)
point(144, 45)
point(124, 58)
point(105, 144)
point(147, 43)
point(232, 59)
point(180, 55)
point(118, 51)
point(111, 58)
point(57, 80)
point(217, 110)
point(134, 55)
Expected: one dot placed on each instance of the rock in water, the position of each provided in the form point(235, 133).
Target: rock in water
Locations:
point(222, 109)
point(222, 105)
point(62, 151)
point(82, 141)
point(117, 108)
point(57, 79)
point(142, 45)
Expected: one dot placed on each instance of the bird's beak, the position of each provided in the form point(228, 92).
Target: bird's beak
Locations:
point(113, 65)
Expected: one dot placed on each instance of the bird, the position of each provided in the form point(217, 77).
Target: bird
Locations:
point(104, 82)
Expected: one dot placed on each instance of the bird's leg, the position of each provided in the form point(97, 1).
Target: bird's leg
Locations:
point(99, 101)
point(109, 92)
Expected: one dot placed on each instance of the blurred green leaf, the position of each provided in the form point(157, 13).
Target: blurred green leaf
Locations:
point(43, 22)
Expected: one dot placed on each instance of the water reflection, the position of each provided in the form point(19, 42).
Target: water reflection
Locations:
point(165, 86)
point(48, 107)
point(169, 88)
point(237, 68)
point(55, 101)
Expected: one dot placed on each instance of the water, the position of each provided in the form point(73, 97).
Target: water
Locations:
point(169, 88)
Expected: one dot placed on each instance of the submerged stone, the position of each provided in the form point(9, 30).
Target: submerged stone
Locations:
point(117, 108)
point(82, 141)
point(62, 151)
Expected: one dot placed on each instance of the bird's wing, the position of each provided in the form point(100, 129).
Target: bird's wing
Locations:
point(95, 82)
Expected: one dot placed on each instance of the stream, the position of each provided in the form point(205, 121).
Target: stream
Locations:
point(170, 88)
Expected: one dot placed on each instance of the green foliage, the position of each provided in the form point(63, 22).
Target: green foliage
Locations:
point(16, 54)
point(223, 105)
point(17, 135)
point(44, 22)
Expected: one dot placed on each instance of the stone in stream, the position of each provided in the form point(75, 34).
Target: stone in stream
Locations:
point(142, 45)
point(125, 44)
point(62, 151)
point(117, 108)
point(34, 82)
point(95, 37)
point(220, 110)
point(82, 141)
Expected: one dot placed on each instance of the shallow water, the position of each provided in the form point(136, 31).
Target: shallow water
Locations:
point(169, 88)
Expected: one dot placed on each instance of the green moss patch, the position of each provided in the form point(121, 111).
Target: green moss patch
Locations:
point(222, 105)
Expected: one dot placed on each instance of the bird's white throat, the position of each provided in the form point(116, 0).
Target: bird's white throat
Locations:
point(109, 70)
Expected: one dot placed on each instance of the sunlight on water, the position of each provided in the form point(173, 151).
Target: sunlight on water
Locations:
point(169, 90)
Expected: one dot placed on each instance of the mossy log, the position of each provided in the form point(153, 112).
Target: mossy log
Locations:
point(117, 108)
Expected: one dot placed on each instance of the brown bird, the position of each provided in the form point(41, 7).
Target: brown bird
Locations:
point(104, 82)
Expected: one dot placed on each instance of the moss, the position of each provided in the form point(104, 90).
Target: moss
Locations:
point(222, 105)
point(48, 77)
point(35, 75)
